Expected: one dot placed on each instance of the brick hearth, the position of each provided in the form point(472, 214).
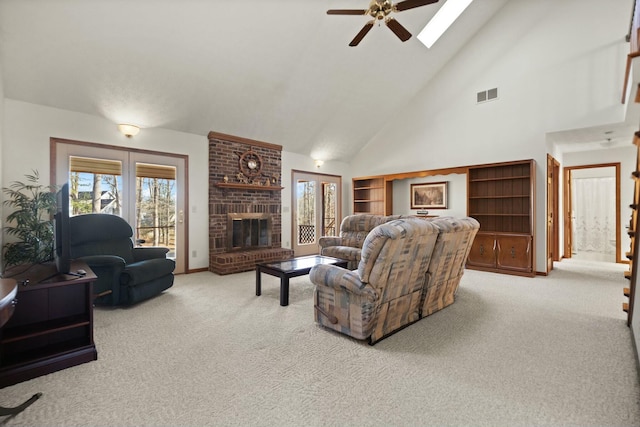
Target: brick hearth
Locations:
point(235, 262)
point(224, 156)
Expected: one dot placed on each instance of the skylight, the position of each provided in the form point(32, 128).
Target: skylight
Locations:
point(442, 20)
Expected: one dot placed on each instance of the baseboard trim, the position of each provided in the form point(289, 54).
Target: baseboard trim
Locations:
point(197, 270)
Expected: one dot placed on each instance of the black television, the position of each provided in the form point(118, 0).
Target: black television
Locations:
point(61, 253)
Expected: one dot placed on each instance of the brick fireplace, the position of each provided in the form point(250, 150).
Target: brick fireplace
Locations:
point(244, 183)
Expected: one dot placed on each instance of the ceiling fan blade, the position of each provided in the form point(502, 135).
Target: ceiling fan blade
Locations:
point(346, 12)
point(363, 32)
point(410, 4)
point(398, 29)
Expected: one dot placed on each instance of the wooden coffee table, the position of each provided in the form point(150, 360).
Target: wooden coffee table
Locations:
point(293, 267)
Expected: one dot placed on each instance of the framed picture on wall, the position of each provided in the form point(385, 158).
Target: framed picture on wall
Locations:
point(430, 195)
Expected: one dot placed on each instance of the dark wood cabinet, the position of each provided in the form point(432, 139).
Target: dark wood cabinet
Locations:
point(501, 252)
point(483, 251)
point(513, 252)
point(51, 327)
point(501, 197)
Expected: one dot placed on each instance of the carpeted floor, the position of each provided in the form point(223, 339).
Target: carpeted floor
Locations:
point(548, 351)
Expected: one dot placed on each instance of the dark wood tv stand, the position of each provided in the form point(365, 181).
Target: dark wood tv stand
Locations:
point(52, 325)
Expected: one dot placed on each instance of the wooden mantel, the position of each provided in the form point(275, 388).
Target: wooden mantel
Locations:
point(248, 186)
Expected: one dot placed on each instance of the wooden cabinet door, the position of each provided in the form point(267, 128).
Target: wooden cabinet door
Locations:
point(514, 252)
point(482, 252)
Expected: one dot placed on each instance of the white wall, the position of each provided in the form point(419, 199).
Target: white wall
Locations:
point(456, 195)
point(544, 71)
point(25, 147)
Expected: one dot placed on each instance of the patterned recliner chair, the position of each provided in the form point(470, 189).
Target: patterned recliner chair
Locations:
point(447, 262)
point(353, 231)
point(384, 294)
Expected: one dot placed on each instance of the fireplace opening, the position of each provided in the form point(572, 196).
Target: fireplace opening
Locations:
point(248, 231)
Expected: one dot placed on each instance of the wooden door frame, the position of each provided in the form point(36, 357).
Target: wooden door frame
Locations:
point(183, 267)
point(568, 237)
point(294, 209)
point(553, 207)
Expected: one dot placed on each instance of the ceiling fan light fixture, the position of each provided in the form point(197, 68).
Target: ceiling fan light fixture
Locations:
point(442, 20)
point(379, 10)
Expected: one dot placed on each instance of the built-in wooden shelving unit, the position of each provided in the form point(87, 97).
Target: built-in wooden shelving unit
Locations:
point(372, 195)
point(501, 198)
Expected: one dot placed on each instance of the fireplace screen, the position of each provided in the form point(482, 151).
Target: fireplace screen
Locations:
point(248, 231)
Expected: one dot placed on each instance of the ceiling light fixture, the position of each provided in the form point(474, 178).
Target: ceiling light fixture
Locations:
point(442, 20)
point(319, 163)
point(128, 130)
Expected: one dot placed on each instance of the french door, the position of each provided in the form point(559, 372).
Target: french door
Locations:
point(316, 210)
point(146, 189)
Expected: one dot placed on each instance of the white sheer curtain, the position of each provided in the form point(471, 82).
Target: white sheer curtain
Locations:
point(594, 215)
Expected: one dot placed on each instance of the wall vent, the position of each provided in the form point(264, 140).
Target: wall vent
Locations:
point(487, 95)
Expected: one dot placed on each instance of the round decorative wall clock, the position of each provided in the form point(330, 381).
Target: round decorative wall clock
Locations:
point(250, 163)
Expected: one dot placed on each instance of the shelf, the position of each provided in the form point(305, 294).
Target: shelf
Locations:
point(43, 328)
point(518, 196)
point(502, 178)
point(498, 214)
point(504, 233)
point(368, 188)
point(247, 186)
point(41, 354)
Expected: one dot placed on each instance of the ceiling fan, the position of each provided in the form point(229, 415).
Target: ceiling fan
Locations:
point(380, 9)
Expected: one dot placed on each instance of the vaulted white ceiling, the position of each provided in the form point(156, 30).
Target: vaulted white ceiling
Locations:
point(279, 71)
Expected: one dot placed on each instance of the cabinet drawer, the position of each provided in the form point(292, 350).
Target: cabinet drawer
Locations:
point(514, 252)
point(482, 253)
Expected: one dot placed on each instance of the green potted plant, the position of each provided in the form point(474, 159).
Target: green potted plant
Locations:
point(30, 221)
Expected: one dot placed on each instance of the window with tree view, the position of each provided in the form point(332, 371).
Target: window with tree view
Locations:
point(96, 186)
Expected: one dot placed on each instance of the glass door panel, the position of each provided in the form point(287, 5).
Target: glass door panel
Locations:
point(95, 186)
point(159, 198)
point(306, 212)
point(156, 202)
point(329, 209)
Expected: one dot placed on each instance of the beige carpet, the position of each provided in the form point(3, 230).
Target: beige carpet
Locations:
point(549, 351)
